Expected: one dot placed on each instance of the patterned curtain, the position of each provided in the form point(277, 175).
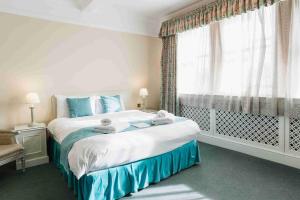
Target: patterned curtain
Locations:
point(168, 95)
point(212, 12)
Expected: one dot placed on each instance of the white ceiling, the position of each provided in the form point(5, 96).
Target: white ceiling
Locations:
point(134, 16)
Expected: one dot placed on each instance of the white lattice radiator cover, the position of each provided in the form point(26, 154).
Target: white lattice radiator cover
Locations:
point(199, 115)
point(294, 135)
point(256, 129)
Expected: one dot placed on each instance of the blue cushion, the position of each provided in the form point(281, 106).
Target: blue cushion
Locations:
point(111, 103)
point(79, 107)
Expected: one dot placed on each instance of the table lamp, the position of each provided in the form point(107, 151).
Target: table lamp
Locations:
point(32, 99)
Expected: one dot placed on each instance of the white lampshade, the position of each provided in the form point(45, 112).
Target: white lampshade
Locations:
point(32, 98)
point(143, 92)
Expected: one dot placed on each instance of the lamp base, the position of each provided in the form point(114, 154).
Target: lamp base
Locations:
point(144, 104)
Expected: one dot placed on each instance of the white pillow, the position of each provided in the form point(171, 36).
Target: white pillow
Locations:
point(62, 109)
point(98, 105)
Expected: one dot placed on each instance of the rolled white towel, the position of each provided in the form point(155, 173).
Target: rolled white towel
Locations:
point(170, 118)
point(106, 122)
point(162, 114)
point(112, 128)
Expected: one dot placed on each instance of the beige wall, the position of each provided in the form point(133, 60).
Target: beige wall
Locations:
point(57, 58)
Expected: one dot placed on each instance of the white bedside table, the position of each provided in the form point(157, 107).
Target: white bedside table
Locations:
point(34, 142)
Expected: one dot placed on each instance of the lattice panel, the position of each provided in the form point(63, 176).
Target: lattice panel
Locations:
point(294, 138)
point(199, 115)
point(255, 128)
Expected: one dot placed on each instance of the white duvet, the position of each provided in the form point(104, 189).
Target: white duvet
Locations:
point(109, 150)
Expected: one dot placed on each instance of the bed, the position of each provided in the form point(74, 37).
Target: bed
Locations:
point(110, 166)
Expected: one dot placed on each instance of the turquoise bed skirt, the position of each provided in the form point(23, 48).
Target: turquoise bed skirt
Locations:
point(117, 182)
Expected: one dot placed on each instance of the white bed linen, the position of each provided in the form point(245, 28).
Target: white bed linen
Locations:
point(109, 150)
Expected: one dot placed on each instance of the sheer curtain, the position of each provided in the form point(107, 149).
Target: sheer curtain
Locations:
point(293, 75)
point(194, 61)
point(234, 64)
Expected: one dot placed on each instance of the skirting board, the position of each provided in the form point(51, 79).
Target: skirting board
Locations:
point(275, 156)
point(33, 162)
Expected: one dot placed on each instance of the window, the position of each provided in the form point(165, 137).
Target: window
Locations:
point(238, 56)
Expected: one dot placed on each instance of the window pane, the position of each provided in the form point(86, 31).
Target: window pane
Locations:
point(193, 61)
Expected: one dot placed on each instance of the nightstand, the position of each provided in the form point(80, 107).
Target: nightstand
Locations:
point(33, 140)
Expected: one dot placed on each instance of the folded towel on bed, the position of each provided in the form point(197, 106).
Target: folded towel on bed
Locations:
point(114, 127)
point(163, 117)
point(162, 121)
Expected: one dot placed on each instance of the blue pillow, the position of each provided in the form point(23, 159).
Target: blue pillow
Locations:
point(79, 107)
point(111, 103)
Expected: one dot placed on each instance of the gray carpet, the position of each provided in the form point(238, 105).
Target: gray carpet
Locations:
point(223, 175)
